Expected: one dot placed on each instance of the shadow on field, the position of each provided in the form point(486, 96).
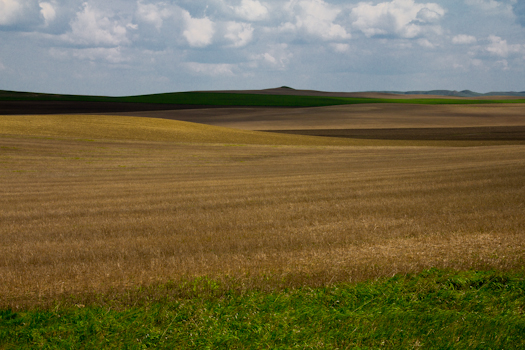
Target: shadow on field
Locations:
point(492, 133)
point(72, 107)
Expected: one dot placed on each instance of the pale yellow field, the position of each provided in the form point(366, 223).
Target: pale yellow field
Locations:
point(83, 209)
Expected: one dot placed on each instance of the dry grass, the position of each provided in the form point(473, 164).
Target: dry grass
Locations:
point(81, 217)
point(147, 129)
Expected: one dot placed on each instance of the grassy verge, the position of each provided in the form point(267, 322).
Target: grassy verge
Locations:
point(235, 99)
point(435, 309)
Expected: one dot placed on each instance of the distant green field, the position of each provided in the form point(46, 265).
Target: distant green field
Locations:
point(231, 99)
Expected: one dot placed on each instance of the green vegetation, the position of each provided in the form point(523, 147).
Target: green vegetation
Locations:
point(433, 310)
point(234, 99)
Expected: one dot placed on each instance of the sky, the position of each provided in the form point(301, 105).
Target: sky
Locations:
point(130, 47)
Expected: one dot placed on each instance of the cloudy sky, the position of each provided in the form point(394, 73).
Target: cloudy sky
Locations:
point(125, 47)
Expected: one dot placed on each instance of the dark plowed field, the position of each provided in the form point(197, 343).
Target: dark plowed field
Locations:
point(495, 133)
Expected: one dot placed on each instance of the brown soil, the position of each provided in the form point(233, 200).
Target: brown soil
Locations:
point(494, 133)
point(85, 217)
point(363, 116)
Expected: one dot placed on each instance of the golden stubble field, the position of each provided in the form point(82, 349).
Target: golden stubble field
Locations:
point(81, 216)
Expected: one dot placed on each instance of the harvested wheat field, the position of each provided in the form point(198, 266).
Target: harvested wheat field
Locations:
point(88, 205)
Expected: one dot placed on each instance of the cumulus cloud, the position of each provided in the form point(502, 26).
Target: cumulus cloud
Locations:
point(468, 63)
point(251, 10)
point(425, 43)
point(276, 57)
point(47, 10)
point(485, 5)
point(239, 33)
point(199, 31)
point(92, 27)
point(10, 11)
point(155, 14)
point(494, 7)
point(500, 47)
point(463, 39)
point(317, 18)
point(338, 47)
point(403, 18)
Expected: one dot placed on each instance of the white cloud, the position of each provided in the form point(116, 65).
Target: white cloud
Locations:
point(469, 63)
point(425, 43)
point(403, 18)
point(277, 57)
point(500, 47)
point(502, 64)
point(92, 27)
point(493, 7)
point(154, 14)
point(108, 54)
point(112, 54)
point(47, 10)
point(199, 31)
point(251, 10)
point(338, 47)
point(210, 69)
point(463, 39)
point(10, 11)
point(485, 5)
point(239, 33)
point(2, 67)
point(317, 18)
point(269, 58)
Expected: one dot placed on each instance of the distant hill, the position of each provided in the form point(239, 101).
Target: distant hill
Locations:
point(454, 93)
point(14, 102)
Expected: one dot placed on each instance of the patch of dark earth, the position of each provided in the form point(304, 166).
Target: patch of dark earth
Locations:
point(489, 133)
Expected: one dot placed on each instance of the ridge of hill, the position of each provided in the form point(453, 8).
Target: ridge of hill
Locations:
point(463, 93)
point(125, 128)
point(14, 102)
point(280, 91)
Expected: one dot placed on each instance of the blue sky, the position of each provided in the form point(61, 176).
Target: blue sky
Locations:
point(117, 47)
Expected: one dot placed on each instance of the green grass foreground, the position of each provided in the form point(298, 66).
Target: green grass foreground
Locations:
point(432, 310)
point(236, 99)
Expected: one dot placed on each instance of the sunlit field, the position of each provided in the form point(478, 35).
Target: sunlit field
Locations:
point(83, 210)
point(404, 228)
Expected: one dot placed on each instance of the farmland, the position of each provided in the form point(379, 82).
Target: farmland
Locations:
point(103, 212)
